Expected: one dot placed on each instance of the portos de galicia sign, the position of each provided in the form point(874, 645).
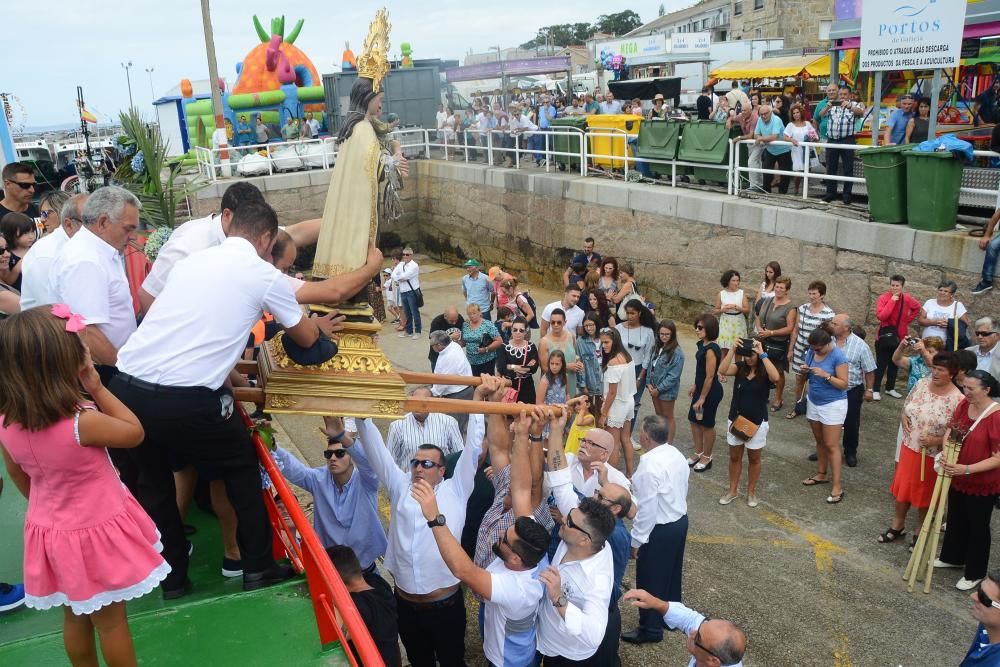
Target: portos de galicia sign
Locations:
point(911, 34)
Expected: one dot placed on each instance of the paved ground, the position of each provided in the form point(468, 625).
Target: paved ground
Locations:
point(806, 580)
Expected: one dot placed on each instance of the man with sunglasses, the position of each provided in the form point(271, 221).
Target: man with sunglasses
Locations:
point(985, 649)
point(37, 265)
point(508, 584)
point(711, 642)
point(345, 495)
point(660, 527)
point(575, 616)
point(428, 596)
point(19, 188)
point(987, 351)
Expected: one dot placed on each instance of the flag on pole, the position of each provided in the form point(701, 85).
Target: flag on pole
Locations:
point(87, 116)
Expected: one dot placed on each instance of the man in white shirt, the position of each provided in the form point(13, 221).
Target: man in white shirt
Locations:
point(428, 596)
point(406, 274)
point(711, 642)
point(595, 447)
point(659, 531)
point(89, 274)
point(576, 611)
point(574, 314)
point(172, 375)
point(37, 265)
point(422, 428)
point(313, 126)
point(508, 585)
point(451, 361)
point(610, 105)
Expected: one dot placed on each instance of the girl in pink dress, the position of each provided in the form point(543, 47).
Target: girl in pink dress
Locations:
point(88, 545)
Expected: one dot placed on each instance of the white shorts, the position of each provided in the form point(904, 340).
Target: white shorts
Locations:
point(758, 440)
point(831, 414)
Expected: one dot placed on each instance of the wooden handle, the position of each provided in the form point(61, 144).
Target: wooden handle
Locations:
point(416, 377)
point(451, 405)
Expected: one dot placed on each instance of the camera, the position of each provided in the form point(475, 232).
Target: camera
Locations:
point(745, 348)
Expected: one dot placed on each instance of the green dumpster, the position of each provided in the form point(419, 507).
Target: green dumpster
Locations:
point(885, 178)
point(933, 180)
point(706, 141)
point(658, 140)
point(568, 142)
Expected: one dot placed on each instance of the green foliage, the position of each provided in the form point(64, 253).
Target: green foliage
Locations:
point(160, 195)
point(570, 34)
point(618, 24)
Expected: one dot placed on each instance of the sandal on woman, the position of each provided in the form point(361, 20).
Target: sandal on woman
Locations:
point(693, 459)
point(833, 500)
point(703, 467)
point(775, 408)
point(891, 535)
point(812, 481)
point(792, 414)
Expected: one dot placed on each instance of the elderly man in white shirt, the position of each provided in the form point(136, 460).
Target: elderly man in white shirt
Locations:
point(422, 428)
point(37, 265)
point(575, 617)
point(428, 596)
point(172, 375)
point(406, 274)
point(451, 361)
point(659, 531)
point(987, 351)
point(711, 642)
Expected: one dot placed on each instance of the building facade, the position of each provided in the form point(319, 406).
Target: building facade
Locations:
point(796, 21)
point(711, 16)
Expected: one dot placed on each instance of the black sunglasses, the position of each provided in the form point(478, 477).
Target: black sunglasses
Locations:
point(569, 522)
point(518, 330)
point(426, 464)
point(985, 333)
point(330, 453)
point(697, 642)
point(590, 443)
point(23, 186)
point(985, 599)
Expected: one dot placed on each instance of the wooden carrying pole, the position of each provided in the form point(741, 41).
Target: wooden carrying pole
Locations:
point(930, 531)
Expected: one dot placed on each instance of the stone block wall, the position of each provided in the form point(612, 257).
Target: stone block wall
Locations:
point(797, 21)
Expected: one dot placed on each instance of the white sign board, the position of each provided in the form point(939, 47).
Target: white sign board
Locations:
point(690, 43)
point(911, 34)
point(650, 45)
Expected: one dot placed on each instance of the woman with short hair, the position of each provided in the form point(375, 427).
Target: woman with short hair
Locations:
point(775, 324)
point(50, 206)
point(826, 367)
point(936, 313)
point(481, 340)
point(706, 394)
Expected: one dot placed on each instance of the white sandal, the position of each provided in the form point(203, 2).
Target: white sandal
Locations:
point(702, 467)
point(693, 459)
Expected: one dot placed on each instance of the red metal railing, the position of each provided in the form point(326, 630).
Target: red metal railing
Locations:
point(329, 596)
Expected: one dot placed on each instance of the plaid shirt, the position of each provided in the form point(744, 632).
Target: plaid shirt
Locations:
point(841, 122)
point(859, 360)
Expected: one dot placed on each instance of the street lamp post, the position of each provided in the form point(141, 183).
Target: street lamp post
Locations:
point(149, 71)
point(128, 80)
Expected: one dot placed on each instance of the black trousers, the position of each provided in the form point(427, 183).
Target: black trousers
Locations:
point(466, 395)
point(885, 368)
point(840, 160)
point(607, 652)
point(433, 633)
point(119, 457)
point(784, 163)
point(195, 426)
point(967, 540)
point(658, 570)
point(852, 422)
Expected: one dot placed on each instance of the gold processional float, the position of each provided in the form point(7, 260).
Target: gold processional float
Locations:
point(359, 381)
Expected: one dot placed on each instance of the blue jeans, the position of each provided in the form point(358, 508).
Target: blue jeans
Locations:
point(641, 167)
point(641, 387)
point(412, 312)
point(537, 143)
point(990, 261)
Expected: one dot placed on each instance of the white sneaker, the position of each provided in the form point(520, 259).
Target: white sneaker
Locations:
point(752, 501)
point(417, 336)
point(728, 498)
point(894, 393)
point(403, 334)
point(876, 396)
point(966, 584)
point(940, 563)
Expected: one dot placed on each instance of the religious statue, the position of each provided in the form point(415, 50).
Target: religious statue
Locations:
point(367, 177)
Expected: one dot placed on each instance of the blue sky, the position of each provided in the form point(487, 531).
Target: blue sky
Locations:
point(61, 44)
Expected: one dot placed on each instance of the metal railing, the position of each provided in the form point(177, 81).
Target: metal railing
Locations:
point(330, 598)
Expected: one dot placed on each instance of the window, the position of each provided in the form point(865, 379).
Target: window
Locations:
point(706, 24)
point(758, 33)
point(737, 7)
point(758, 4)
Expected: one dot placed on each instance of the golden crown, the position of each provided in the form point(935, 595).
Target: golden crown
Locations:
point(374, 61)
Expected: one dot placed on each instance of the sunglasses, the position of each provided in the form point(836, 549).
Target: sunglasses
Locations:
point(590, 443)
point(46, 214)
point(570, 524)
point(985, 333)
point(634, 347)
point(330, 453)
point(3, 250)
point(518, 329)
point(426, 464)
point(23, 185)
point(697, 642)
point(986, 600)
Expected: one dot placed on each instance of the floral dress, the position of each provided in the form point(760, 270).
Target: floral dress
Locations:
point(732, 326)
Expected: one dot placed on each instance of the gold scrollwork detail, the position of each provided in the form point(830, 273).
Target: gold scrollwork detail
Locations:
point(387, 407)
point(331, 270)
point(280, 402)
point(358, 354)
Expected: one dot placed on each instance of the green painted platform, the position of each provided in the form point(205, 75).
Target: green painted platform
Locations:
point(217, 624)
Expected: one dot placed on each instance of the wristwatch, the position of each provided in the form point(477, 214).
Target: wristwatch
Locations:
point(559, 601)
point(436, 521)
point(535, 438)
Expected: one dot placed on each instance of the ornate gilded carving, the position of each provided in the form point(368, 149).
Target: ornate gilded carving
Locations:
point(331, 270)
point(280, 402)
point(387, 407)
point(374, 61)
point(357, 354)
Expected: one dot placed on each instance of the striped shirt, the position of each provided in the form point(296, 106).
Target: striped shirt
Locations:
point(842, 122)
point(498, 518)
point(406, 434)
point(807, 323)
point(859, 360)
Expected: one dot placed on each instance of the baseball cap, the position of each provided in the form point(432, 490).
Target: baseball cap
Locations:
point(471, 262)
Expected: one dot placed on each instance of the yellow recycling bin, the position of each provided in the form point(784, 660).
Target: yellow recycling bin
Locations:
point(609, 141)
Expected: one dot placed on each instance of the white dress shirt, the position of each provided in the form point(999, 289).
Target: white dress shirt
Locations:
point(660, 485)
point(188, 238)
point(586, 487)
point(451, 361)
point(407, 276)
point(406, 434)
point(679, 617)
point(196, 330)
point(89, 277)
point(36, 269)
point(413, 557)
point(587, 585)
point(511, 609)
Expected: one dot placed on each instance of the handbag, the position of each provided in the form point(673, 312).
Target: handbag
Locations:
point(957, 332)
point(743, 429)
point(888, 336)
point(776, 350)
point(621, 307)
point(419, 294)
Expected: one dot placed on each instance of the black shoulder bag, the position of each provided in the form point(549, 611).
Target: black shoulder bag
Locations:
point(420, 295)
point(888, 336)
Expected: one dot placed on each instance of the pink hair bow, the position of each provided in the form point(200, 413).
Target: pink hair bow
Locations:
point(74, 323)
